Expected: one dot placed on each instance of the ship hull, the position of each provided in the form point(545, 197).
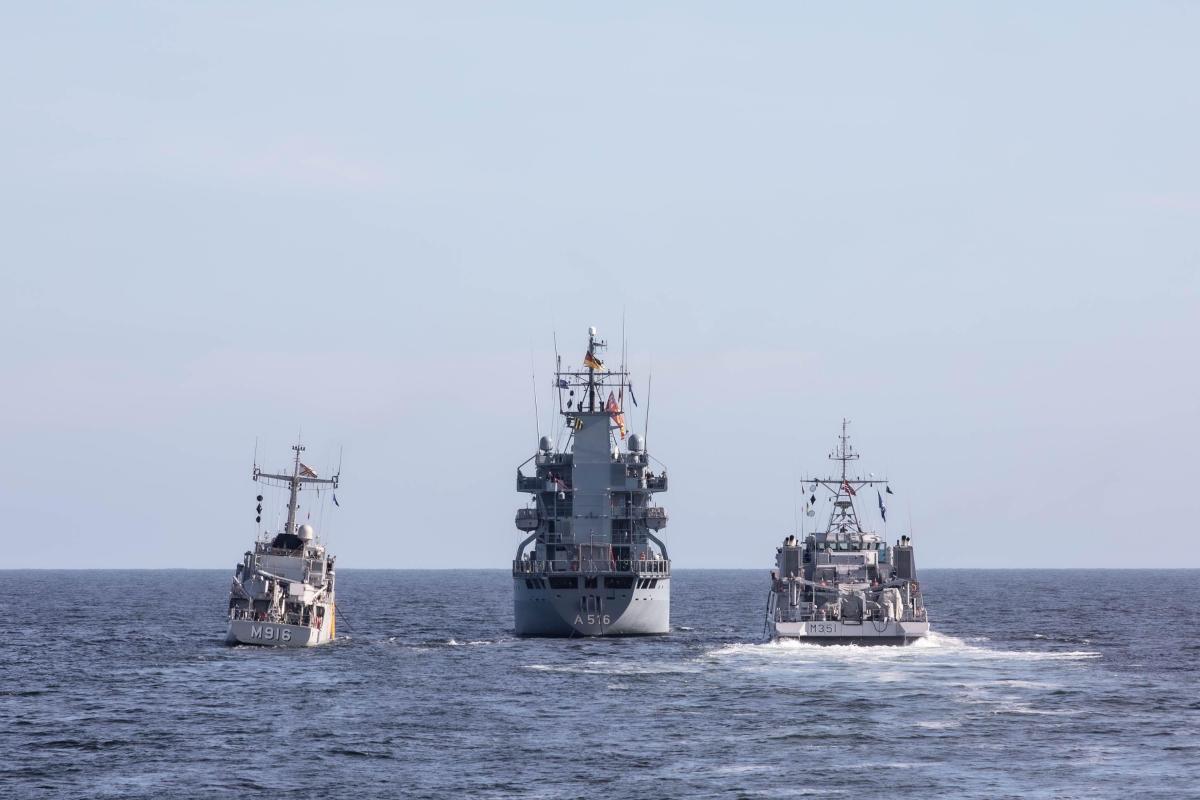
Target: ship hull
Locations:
point(588, 612)
point(274, 634)
point(837, 632)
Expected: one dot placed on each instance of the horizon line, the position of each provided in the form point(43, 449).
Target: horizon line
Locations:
point(503, 569)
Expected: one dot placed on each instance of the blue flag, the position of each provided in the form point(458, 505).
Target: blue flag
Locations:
point(562, 383)
point(882, 510)
point(631, 397)
point(335, 502)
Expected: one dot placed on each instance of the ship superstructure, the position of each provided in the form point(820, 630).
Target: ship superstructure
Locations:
point(283, 591)
point(592, 563)
point(845, 584)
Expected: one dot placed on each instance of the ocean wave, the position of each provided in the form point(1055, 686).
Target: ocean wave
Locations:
point(617, 668)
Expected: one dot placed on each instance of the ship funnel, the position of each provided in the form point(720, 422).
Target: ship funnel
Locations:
point(305, 532)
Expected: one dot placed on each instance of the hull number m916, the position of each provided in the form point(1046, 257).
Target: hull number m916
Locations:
point(270, 634)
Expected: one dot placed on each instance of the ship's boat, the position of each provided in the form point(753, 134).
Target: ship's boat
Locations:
point(592, 563)
point(845, 584)
point(283, 591)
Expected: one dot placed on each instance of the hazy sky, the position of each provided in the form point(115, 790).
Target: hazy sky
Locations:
point(970, 228)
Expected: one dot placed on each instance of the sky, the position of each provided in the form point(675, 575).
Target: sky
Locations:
point(969, 228)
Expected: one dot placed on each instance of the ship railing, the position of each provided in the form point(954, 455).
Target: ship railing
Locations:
point(808, 613)
point(280, 551)
point(655, 566)
point(272, 617)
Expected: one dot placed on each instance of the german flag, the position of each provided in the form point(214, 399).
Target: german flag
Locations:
point(591, 362)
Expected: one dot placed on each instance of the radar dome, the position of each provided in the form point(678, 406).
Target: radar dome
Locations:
point(635, 443)
point(544, 444)
point(305, 532)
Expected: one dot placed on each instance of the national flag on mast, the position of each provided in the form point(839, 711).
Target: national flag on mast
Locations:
point(307, 471)
point(591, 362)
point(849, 489)
point(882, 509)
point(614, 410)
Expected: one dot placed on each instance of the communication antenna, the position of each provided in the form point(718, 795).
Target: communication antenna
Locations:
point(796, 509)
point(646, 426)
point(537, 422)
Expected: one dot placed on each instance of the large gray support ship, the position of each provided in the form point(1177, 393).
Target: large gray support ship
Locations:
point(845, 584)
point(592, 564)
point(283, 591)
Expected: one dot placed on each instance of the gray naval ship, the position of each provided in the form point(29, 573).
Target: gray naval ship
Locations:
point(846, 584)
point(591, 564)
point(283, 591)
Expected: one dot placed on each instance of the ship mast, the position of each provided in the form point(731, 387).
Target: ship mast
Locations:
point(590, 381)
point(294, 487)
point(591, 371)
point(294, 481)
point(844, 518)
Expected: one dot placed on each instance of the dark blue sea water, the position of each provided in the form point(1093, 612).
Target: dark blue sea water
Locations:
point(1053, 684)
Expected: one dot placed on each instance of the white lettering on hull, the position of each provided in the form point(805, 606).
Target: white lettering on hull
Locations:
point(269, 633)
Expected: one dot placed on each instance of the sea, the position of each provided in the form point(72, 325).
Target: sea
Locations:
point(1035, 684)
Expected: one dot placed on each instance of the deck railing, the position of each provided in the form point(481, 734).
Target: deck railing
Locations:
point(625, 566)
point(271, 617)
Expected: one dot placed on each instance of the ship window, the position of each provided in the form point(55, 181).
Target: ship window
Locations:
point(528, 583)
point(618, 582)
point(654, 583)
point(589, 583)
point(563, 582)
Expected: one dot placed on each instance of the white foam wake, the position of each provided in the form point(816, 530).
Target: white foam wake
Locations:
point(932, 646)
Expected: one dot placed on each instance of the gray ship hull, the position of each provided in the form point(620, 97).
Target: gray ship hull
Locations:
point(274, 634)
point(837, 632)
point(584, 612)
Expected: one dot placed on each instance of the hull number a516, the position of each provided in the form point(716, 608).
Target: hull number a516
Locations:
point(592, 619)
